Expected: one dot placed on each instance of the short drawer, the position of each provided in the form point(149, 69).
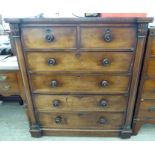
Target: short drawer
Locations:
point(151, 68)
point(81, 120)
point(84, 83)
point(48, 37)
point(148, 91)
point(7, 87)
point(4, 77)
point(108, 37)
point(110, 103)
point(85, 61)
point(147, 110)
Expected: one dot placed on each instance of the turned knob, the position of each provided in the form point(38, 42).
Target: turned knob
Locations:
point(58, 119)
point(49, 38)
point(51, 61)
point(54, 83)
point(56, 103)
point(103, 103)
point(105, 61)
point(104, 83)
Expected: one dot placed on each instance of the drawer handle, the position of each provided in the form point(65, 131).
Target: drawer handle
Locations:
point(151, 109)
point(104, 83)
point(54, 83)
point(102, 120)
point(56, 103)
point(107, 36)
point(49, 38)
point(103, 103)
point(105, 61)
point(7, 87)
point(3, 78)
point(58, 119)
point(51, 61)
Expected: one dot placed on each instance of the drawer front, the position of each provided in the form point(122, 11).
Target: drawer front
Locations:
point(147, 110)
point(52, 37)
point(148, 89)
point(58, 83)
point(152, 47)
point(107, 37)
point(113, 103)
point(4, 77)
point(151, 68)
point(7, 87)
point(81, 120)
point(86, 61)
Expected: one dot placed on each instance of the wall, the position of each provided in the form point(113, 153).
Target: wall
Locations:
point(29, 8)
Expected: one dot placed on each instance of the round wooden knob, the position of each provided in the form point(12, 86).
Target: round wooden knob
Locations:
point(51, 61)
point(107, 36)
point(102, 120)
point(49, 38)
point(56, 103)
point(103, 103)
point(58, 119)
point(54, 83)
point(104, 83)
point(105, 61)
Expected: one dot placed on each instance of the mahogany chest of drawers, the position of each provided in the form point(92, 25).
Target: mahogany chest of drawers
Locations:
point(80, 74)
point(145, 106)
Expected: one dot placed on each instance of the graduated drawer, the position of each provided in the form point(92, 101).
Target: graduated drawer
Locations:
point(113, 103)
point(108, 37)
point(73, 83)
point(48, 37)
point(81, 120)
point(147, 109)
point(85, 61)
point(7, 87)
point(148, 91)
point(4, 77)
point(151, 68)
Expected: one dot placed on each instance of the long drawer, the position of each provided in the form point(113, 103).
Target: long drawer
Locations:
point(107, 103)
point(81, 120)
point(85, 61)
point(82, 83)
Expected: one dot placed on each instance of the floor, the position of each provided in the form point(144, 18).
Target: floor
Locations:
point(14, 127)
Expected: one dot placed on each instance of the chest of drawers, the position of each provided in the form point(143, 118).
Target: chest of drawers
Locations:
point(145, 106)
point(80, 75)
